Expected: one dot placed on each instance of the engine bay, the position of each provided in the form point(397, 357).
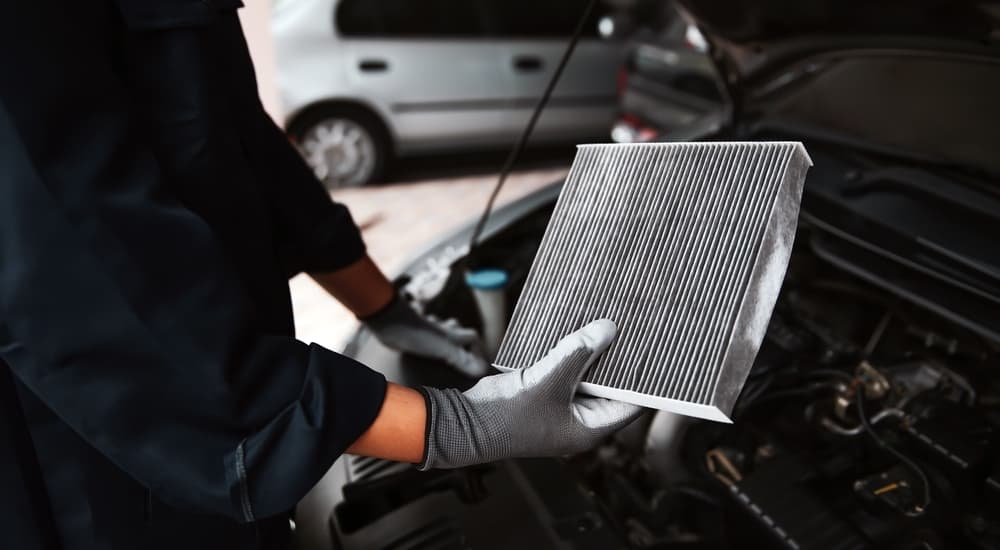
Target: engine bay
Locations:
point(863, 424)
point(866, 422)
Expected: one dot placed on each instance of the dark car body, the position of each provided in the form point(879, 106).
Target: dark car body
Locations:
point(894, 281)
point(667, 80)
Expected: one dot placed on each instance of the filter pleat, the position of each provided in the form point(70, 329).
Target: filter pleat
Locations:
point(635, 248)
point(731, 260)
point(678, 244)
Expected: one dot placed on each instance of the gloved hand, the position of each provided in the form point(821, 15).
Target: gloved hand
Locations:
point(525, 413)
point(400, 327)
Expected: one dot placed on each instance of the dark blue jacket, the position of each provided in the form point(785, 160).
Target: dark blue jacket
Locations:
point(151, 392)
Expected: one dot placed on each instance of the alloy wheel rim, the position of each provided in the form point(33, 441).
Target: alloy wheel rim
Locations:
point(340, 152)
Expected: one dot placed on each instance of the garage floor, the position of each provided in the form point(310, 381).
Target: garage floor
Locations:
point(399, 220)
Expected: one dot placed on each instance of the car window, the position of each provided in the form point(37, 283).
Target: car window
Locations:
point(534, 19)
point(409, 19)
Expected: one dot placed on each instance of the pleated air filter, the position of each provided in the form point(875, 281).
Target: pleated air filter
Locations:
point(684, 246)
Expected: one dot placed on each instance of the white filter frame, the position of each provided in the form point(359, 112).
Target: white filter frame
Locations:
point(697, 186)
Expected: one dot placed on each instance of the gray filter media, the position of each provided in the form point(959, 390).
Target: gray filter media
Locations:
point(684, 246)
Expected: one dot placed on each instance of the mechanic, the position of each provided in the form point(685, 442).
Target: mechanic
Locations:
point(151, 392)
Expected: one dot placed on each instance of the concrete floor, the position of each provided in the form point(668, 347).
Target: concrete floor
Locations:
point(398, 220)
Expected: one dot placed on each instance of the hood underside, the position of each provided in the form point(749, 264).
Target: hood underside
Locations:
point(752, 21)
point(915, 80)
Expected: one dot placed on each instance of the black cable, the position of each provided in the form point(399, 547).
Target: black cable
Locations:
point(877, 334)
point(696, 493)
point(745, 407)
point(526, 134)
point(831, 373)
point(754, 389)
point(859, 401)
point(792, 392)
point(759, 392)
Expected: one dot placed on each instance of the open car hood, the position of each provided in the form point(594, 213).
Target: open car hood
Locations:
point(915, 80)
point(754, 23)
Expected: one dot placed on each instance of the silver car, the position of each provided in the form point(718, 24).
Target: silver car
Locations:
point(364, 81)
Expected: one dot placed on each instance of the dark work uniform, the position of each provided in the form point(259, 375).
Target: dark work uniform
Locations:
point(151, 392)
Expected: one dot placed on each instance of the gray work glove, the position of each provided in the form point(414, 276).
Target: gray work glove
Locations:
point(530, 412)
point(401, 328)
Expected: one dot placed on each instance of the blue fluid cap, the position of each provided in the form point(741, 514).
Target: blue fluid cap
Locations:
point(486, 279)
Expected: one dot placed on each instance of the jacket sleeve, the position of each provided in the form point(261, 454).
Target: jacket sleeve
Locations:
point(314, 232)
point(118, 309)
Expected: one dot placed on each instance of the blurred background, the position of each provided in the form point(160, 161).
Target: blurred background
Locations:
point(406, 111)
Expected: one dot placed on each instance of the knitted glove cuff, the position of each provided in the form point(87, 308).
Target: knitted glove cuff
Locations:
point(458, 434)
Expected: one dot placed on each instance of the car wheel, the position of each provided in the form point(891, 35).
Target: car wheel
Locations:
point(344, 147)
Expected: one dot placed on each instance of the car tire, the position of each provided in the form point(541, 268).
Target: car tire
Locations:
point(344, 146)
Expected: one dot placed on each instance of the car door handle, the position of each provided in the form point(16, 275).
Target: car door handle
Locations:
point(527, 63)
point(373, 65)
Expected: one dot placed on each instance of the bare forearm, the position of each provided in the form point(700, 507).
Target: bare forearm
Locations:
point(361, 287)
point(398, 432)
